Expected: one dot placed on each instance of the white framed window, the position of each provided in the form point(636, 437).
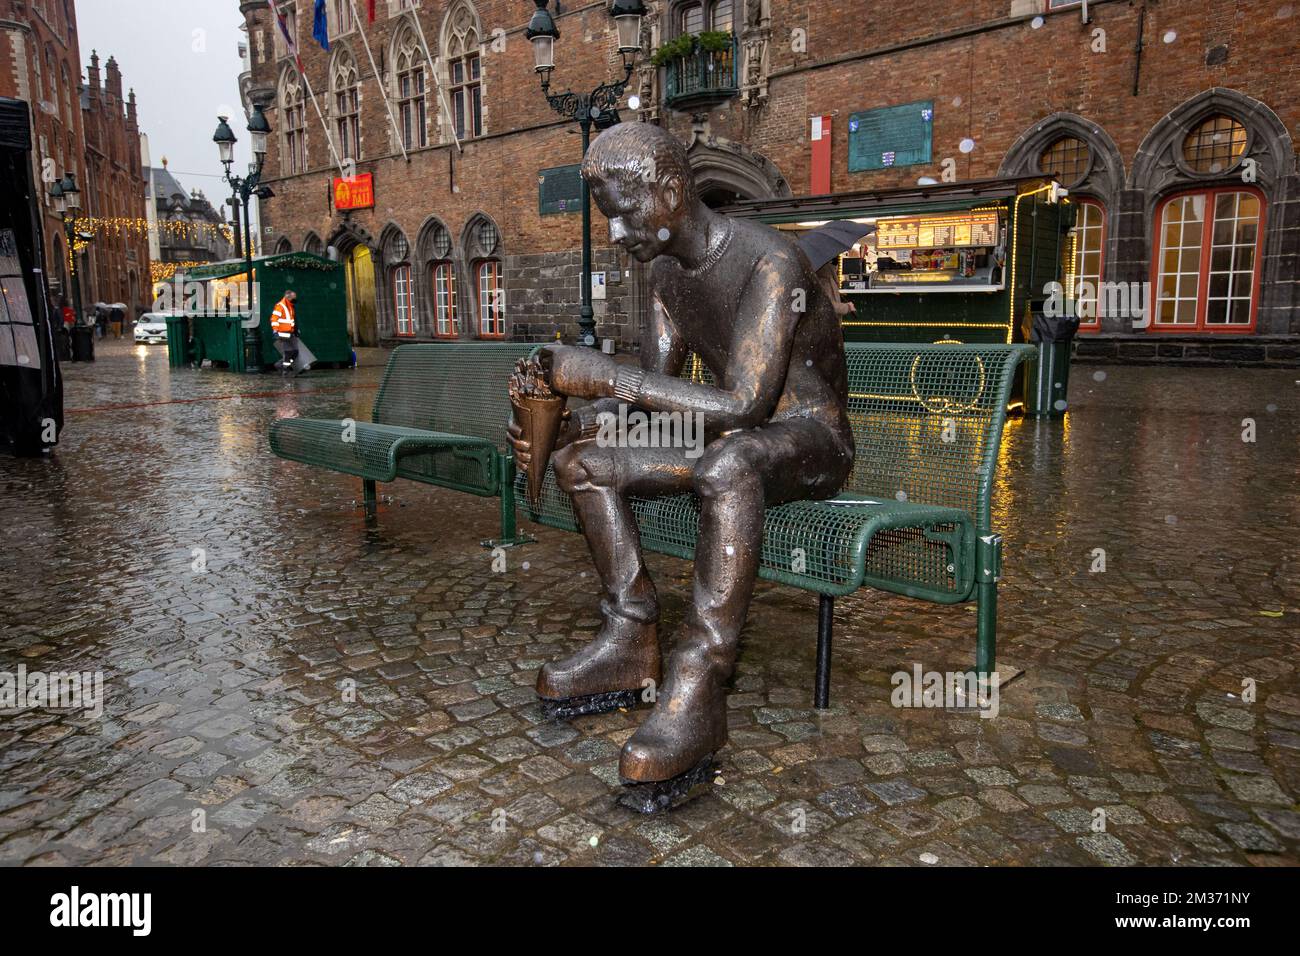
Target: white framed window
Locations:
point(446, 322)
point(293, 110)
point(491, 300)
point(1207, 261)
point(460, 49)
point(347, 106)
point(412, 102)
point(340, 18)
point(1089, 238)
point(403, 300)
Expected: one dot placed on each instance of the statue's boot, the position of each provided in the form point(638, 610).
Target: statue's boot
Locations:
point(616, 668)
point(612, 671)
point(673, 748)
point(672, 752)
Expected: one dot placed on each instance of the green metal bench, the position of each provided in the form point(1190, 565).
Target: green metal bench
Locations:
point(912, 519)
point(439, 418)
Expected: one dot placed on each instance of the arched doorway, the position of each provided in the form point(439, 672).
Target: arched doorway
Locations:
point(363, 323)
point(352, 246)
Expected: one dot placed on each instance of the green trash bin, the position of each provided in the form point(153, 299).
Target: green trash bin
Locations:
point(1047, 379)
point(178, 341)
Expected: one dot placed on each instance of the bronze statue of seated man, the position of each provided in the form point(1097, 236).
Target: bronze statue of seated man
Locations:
point(742, 298)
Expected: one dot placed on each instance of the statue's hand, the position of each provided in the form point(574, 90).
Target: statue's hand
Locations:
point(579, 372)
point(523, 449)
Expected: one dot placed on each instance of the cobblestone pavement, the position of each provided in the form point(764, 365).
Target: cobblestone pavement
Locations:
point(223, 685)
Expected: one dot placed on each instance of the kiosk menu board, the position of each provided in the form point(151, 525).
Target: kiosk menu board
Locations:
point(929, 232)
point(962, 251)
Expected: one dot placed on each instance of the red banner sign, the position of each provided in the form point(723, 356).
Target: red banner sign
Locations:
point(355, 193)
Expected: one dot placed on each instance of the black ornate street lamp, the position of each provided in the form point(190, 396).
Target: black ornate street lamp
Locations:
point(67, 201)
point(598, 108)
point(245, 187)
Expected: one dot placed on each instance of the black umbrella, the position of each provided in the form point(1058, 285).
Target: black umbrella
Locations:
point(824, 243)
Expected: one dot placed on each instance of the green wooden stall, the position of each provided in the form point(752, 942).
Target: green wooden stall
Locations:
point(214, 331)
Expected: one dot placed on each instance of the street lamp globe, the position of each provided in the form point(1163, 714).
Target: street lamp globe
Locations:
point(542, 34)
point(259, 128)
point(224, 137)
point(71, 194)
point(627, 16)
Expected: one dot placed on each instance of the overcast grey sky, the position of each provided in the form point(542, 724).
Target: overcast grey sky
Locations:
point(182, 59)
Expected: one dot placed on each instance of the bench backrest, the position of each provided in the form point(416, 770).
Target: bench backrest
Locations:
point(927, 420)
point(456, 387)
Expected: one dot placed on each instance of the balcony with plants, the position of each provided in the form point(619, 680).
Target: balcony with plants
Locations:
point(699, 68)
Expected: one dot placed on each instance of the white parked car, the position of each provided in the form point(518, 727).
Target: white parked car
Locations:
point(152, 327)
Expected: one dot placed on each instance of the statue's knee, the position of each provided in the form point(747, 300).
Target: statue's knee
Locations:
point(568, 466)
point(725, 471)
point(581, 465)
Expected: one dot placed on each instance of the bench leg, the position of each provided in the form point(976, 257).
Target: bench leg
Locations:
point(510, 535)
point(825, 622)
point(369, 497)
point(988, 571)
point(986, 640)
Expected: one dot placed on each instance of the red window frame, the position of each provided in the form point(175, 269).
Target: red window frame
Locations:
point(453, 320)
point(403, 271)
point(1093, 324)
point(1203, 281)
point(498, 289)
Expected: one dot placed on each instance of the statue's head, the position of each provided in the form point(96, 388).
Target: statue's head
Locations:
point(641, 179)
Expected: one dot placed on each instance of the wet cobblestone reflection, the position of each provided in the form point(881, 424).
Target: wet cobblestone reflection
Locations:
point(325, 692)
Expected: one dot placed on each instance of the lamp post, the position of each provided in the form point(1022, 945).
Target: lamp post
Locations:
point(245, 187)
point(598, 108)
point(67, 201)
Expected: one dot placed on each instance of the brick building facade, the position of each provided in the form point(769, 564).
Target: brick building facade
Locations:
point(115, 188)
point(88, 129)
point(40, 63)
point(1170, 121)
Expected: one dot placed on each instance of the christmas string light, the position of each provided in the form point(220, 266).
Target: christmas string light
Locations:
point(127, 225)
point(164, 271)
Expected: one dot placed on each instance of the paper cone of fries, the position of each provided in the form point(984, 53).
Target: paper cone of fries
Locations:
point(538, 412)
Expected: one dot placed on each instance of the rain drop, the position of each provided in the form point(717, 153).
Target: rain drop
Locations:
point(1170, 36)
point(901, 495)
point(956, 101)
point(966, 145)
point(1059, 405)
point(664, 235)
point(1036, 22)
point(1099, 376)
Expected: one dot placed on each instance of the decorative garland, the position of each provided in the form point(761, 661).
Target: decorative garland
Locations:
point(300, 261)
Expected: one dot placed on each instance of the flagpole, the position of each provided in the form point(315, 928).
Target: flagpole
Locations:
point(433, 73)
point(379, 80)
point(324, 125)
point(292, 43)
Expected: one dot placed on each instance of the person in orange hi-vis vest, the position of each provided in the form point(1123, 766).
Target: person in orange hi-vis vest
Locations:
point(284, 323)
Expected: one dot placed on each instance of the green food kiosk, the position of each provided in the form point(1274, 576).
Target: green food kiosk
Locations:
point(212, 316)
point(952, 262)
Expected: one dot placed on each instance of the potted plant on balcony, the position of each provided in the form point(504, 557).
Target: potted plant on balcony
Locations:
point(679, 47)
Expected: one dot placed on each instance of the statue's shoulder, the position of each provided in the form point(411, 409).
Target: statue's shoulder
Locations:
point(769, 245)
